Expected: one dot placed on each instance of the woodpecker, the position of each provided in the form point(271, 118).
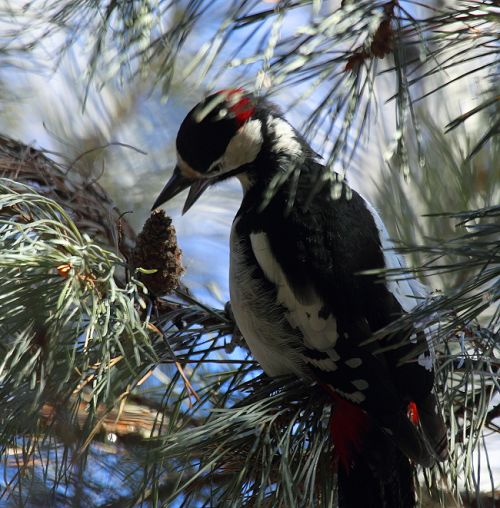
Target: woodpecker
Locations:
point(299, 244)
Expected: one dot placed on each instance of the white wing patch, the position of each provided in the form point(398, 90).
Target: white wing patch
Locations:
point(425, 361)
point(333, 355)
point(319, 333)
point(325, 364)
point(354, 362)
point(259, 318)
point(360, 384)
point(357, 397)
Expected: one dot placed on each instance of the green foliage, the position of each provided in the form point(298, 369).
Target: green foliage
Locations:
point(69, 333)
point(78, 341)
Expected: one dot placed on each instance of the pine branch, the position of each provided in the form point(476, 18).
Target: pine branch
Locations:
point(94, 328)
point(338, 53)
point(240, 421)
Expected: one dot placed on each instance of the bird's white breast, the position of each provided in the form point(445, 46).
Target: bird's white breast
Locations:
point(304, 312)
point(258, 316)
point(274, 322)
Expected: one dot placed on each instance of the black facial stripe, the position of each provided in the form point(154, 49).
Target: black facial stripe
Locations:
point(229, 174)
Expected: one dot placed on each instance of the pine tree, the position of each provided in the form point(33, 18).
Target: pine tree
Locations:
point(111, 396)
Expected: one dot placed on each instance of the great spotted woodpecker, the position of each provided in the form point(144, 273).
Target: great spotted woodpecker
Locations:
point(299, 244)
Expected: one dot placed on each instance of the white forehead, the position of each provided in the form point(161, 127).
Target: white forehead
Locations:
point(186, 169)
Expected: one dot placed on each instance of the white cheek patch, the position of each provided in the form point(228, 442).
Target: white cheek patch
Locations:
point(243, 147)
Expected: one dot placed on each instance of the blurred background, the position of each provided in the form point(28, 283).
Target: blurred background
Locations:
point(103, 87)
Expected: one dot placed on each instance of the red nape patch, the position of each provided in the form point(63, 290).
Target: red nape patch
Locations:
point(348, 424)
point(239, 104)
point(413, 413)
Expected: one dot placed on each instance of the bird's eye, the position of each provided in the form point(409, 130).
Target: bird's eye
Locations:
point(221, 114)
point(215, 167)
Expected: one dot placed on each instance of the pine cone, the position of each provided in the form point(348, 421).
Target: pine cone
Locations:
point(157, 249)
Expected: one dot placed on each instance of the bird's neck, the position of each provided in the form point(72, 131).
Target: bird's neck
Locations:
point(284, 161)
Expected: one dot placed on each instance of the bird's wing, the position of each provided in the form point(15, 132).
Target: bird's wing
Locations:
point(331, 340)
point(314, 258)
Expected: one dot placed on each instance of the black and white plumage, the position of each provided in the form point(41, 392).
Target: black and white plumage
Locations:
point(298, 296)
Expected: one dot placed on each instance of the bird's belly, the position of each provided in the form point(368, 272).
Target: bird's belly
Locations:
point(261, 320)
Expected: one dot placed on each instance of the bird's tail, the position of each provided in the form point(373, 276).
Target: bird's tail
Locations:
point(382, 478)
point(372, 472)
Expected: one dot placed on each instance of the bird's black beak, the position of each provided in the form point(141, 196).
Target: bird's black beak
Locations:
point(177, 183)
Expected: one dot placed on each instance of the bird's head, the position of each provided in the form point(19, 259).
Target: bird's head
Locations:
point(218, 138)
